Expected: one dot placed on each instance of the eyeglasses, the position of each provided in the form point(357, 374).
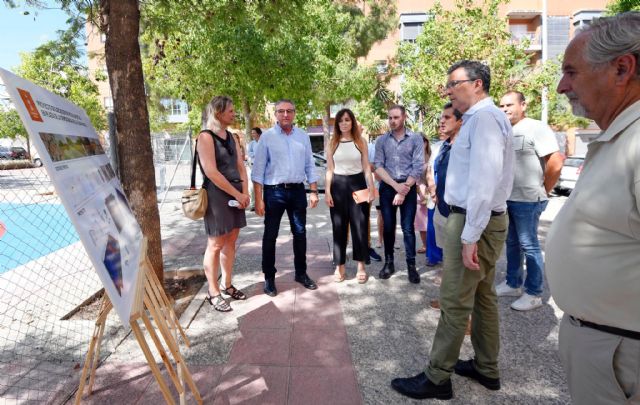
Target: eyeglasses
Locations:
point(455, 83)
point(289, 111)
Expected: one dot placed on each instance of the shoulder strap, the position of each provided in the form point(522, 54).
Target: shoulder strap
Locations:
point(195, 160)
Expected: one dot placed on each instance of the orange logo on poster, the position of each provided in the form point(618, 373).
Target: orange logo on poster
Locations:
point(3, 229)
point(31, 106)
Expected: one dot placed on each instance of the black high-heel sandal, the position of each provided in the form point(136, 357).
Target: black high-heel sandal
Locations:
point(218, 303)
point(233, 292)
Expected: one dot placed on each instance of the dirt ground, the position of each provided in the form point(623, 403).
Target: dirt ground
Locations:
point(180, 289)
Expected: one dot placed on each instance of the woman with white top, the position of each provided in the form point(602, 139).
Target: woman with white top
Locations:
point(348, 170)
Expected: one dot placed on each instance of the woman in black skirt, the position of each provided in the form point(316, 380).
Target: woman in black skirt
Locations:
point(225, 180)
point(348, 170)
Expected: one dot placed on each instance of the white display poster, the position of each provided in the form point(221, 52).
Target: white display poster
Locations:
point(86, 183)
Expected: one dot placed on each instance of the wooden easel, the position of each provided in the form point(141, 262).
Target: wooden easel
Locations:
point(151, 305)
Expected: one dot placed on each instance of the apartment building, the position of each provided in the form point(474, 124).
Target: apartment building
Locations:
point(177, 110)
point(524, 18)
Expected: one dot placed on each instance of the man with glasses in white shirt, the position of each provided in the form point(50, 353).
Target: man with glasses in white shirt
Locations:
point(479, 180)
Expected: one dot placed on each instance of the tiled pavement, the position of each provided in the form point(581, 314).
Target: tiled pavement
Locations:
point(290, 349)
point(340, 344)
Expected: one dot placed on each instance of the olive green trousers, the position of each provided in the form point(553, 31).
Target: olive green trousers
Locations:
point(465, 292)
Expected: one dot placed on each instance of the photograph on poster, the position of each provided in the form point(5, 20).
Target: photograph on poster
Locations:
point(113, 263)
point(122, 216)
point(67, 147)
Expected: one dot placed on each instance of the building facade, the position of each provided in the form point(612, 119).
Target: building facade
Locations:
point(176, 110)
point(524, 18)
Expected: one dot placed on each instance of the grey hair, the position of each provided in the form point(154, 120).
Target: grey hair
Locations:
point(284, 100)
point(217, 105)
point(612, 37)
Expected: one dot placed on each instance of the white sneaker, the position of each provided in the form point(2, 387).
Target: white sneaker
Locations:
point(526, 302)
point(503, 290)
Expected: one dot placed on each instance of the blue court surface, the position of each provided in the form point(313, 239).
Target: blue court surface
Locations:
point(32, 231)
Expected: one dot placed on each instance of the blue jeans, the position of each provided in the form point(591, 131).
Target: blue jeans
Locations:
point(407, 216)
point(522, 243)
point(294, 202)
point(433, 253)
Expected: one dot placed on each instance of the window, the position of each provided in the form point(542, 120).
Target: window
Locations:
point(382, 67)
point(177, 110)
point(583, 18)
point(411, 25)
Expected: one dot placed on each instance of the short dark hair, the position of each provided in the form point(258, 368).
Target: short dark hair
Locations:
point(521, 98)
point(456, 113)
point(398, 107)
point(258, 130)
point(475, 70)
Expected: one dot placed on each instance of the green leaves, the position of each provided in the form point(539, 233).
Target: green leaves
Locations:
point(259, 51)
point(620, 6)
point(474, 30)
point(56, 66)
point(10, 124)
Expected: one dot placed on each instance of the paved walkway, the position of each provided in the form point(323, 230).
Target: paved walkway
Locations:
point(291, 349)
point(340, 344)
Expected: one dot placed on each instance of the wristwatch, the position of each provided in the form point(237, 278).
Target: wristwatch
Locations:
point(313, 191)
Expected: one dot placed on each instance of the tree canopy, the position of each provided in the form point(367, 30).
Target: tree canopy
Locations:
point(620, 6)
point(474, 30)
point(56, 66)
point(255, 52)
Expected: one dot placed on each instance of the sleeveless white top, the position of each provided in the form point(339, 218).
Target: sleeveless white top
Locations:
point(347, 159)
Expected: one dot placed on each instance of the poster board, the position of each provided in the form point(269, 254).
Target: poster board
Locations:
point(86, 183)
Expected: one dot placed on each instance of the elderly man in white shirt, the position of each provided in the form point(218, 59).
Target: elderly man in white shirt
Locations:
point(479, 180)
point(593, 246)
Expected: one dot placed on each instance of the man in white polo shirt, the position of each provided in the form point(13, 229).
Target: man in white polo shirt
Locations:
point(593, 246)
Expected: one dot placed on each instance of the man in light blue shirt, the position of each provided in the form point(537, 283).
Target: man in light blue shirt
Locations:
point(251, 148)
point(251, 151)
point(398, 161)
point(479, 181)
point(282, 162)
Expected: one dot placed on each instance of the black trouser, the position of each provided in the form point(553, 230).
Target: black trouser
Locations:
point(346, 213)
point(277, 201)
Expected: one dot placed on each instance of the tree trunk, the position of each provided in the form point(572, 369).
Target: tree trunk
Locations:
point(246, 112)
point(121, 21)
point(326, 124)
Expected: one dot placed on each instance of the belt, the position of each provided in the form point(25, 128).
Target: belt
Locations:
point(608, 329)
point(400, 180)
point(460, 210)
point(285, 185)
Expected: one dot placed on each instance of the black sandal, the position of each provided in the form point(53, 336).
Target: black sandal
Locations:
point(218, 303)
point(233, 293)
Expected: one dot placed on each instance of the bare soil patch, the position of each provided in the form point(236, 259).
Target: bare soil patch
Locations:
point(181, 290)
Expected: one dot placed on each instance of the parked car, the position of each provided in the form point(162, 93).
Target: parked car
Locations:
point(569, 175)
point(5, 153)
point(321, 168)
point(18, 152)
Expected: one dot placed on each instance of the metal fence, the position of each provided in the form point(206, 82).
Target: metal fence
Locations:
point(49, 291)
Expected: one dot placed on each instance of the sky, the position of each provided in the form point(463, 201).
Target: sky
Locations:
point(24, 33)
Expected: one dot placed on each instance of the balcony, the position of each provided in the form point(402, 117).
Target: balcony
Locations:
point(531, 38)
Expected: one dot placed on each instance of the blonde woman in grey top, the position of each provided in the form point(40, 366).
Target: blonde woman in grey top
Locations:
point(348, 170)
